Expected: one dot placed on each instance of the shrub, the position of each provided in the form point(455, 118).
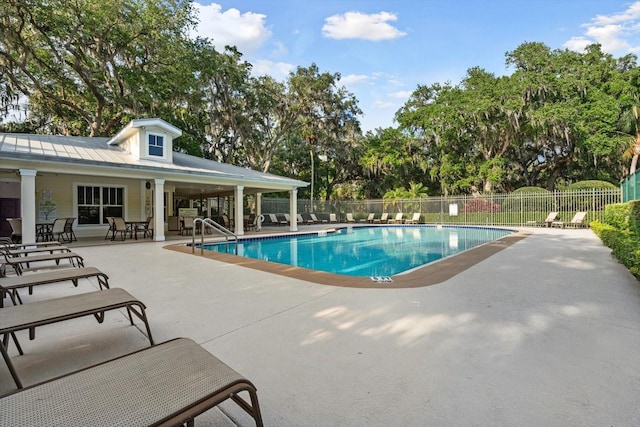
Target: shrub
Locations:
point(617, 215)
point(591, 184)
point(529, 199)
point(634, 217)
point(625, 245)
point(480, 205)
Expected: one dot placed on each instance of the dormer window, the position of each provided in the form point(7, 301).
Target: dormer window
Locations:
point(156, 145)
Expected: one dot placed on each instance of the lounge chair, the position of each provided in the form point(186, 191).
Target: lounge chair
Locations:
point(23, 264)
point(10, 285)
point(415, 219)
point(398, 219)
point(46, 312)
point(369, 219)
point(332, 218)
point(384, 218)
point(315, 218)
point(16, 229)
point(350, 218)
point(546, 223)
point(576, 221)
point(275, 221)
point(37, 250)
point(301, 220)
point(165, 385)
point(7, 243)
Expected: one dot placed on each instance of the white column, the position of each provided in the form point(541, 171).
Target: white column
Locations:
point(158, 211)
point(258, 211)
point(239, 218)
point(293, 209)
point(28, 204)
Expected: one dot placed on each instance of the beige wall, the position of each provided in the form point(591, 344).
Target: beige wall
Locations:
point(63, 190)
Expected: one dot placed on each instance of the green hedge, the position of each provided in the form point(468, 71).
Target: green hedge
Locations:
point(625, 245)
point(621, 233)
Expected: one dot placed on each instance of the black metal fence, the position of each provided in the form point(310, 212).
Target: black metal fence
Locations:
point(514, 209)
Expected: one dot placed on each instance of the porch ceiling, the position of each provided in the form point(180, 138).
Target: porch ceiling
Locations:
point(196, 191)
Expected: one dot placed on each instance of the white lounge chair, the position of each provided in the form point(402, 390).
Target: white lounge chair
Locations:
point(415, 219)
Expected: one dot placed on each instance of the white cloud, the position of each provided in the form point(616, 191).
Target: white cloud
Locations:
point(246, 31)
point(404, 94)
point(278, 70)
point(353, 79)
point(614, 32)
point(577, 44)
point(357, 25)
point(383, 104)
point(631, 14)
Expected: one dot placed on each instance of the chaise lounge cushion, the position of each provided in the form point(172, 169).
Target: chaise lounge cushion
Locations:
point(168, 384)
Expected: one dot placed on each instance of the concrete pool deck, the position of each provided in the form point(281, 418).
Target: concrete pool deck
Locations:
point(543, 332)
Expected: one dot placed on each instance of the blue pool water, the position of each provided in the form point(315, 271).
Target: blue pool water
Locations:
point(364, 251)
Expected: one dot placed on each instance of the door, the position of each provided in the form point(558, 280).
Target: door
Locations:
point(9, 208)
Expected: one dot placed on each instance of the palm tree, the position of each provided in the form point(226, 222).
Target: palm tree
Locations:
point(630, 126)
point(416, 191)
point(393, 196)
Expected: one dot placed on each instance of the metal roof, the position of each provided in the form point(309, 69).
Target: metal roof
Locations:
point(96, 151)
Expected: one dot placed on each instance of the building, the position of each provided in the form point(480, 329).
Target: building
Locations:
point(134, 174)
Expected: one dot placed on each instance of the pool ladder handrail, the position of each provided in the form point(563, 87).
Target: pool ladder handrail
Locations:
point(208, 222)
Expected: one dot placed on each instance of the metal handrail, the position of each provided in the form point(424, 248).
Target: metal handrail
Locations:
point(208, 222)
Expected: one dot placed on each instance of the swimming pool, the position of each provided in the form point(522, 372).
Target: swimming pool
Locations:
point(378, 251)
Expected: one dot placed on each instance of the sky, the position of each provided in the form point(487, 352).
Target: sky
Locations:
point(384, 49)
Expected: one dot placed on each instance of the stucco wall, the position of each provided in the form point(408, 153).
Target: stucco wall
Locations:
point(63, 192)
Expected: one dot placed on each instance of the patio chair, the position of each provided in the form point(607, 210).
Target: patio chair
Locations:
point(332, 218)
point(111, 229)
point(384, 218)
point(69, 235)
point(57, 230)
point(546, 223)
point(10, 285)
point(165, 385)
point(369, 218)
point(287, 219)
point(576, 222)
point(148, 228)
point(119, 226)
point(398, 219)
point(187, 225)
point(415, 219)
point(350, 218)
point(16, 229)
point(315, 218)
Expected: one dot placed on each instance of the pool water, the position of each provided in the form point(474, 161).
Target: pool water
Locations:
point(364, 251)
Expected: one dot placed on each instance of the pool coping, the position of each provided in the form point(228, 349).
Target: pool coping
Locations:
point(430, 274)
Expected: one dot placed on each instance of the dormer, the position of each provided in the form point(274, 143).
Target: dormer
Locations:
point(147, 139)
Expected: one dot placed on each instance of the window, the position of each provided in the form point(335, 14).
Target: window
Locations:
point(156, 145)
point(96, 203)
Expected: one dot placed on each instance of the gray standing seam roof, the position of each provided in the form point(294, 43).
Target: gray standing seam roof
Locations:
point(96, 151)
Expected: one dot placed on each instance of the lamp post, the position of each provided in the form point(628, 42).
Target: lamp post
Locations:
point(321, 157)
